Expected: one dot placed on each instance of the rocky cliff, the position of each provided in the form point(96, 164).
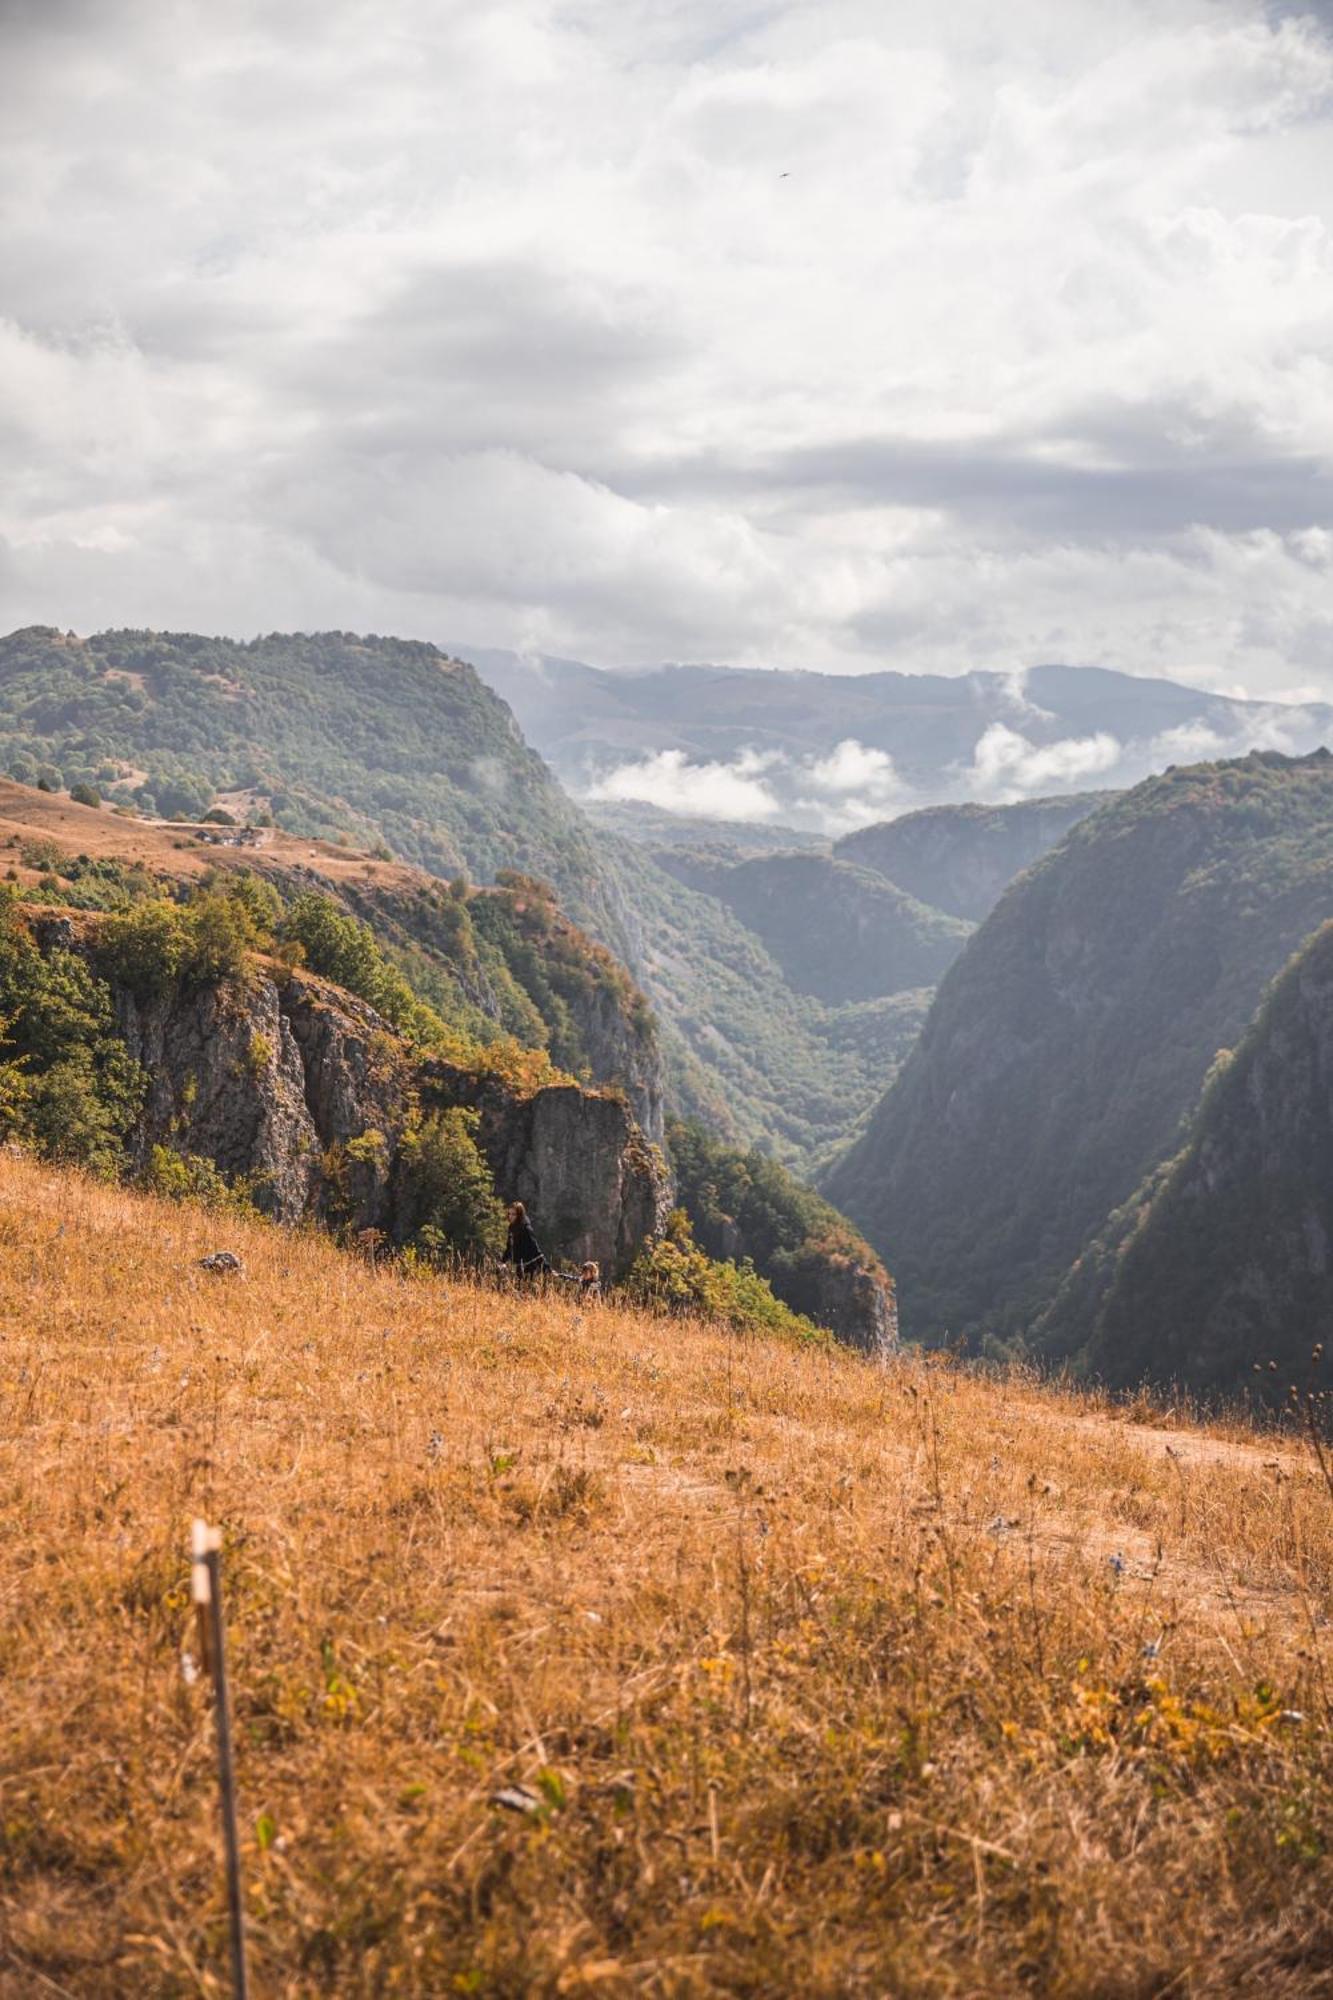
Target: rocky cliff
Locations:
point(1226, 1261)
point(280, 1078)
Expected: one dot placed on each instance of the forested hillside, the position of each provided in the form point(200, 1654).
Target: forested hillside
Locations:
point(496, 981)
point(750, 1055)
point(838, 931)
point(1072, 1038)
point(500, 967)
point(744, 1205)
point(393, 748)
point(1219, 1273)
point(963, 858)
point(384, 742)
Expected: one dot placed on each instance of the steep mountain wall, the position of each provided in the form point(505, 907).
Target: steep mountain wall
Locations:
point(1228, 1261)
point(1072, 1037)
point(963, 858)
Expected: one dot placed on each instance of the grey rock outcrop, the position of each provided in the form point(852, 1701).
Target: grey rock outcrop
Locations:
point(592, 1183)
point(275, 1076)
point(857, 1304)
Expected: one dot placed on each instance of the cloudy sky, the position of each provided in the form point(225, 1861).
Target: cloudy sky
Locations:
point(837, 335)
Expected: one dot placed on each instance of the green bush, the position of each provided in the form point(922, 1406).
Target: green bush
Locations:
point(448, 1190)
point(675, 1276)
point(191, 1177)
point(144, 948)
point(71, 1089)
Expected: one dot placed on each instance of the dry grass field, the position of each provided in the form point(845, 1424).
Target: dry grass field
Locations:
point(170, 849)
point(816, 1676)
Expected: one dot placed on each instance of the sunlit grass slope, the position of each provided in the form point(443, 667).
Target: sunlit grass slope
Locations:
point(822, 1677)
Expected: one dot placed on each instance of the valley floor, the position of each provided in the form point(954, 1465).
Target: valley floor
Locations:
point(816, 1675)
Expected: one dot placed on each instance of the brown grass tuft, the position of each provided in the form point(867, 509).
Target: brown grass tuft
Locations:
point(821, 1677)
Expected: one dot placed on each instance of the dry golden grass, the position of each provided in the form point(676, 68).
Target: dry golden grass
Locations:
point(173, 849)
point(820, 1673)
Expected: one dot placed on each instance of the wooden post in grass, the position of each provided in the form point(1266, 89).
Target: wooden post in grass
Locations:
point(206, 1590)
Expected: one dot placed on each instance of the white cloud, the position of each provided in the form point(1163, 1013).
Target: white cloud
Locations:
point(853, 767)
point(1189, 743)
point(735, 791)
point(827, 335)
point(1007, 766)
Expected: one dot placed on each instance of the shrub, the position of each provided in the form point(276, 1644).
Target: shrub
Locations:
point(84, 794)
point(449, 1192)
point(191, 1177)
point(218, 933)
point(144, 948)
point(71, 1089)
point(674, 1276)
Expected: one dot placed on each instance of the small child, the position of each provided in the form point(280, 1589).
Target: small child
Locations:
point(590, 1283)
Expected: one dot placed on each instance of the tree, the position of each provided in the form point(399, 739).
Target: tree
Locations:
point(451, 1194)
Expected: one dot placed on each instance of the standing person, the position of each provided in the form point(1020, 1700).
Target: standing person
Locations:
point(522, 1249)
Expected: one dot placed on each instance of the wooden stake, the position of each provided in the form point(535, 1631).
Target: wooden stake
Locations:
point(206, 1590)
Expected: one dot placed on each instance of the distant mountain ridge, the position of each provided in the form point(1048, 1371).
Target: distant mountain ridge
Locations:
point(774, 741)
point(840, 932)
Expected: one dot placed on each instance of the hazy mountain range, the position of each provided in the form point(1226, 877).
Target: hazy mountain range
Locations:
point(831, 752)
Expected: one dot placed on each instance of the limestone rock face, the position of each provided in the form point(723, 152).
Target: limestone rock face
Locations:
point(592, 1184)
point(273, 1076)
point(616, 1051)
point(226, 1081)
point(858, 1305)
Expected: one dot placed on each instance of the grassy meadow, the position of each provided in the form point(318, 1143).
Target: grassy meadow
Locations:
point(803, 1674)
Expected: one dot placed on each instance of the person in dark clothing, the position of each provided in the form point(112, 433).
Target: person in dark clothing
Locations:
point(522, 1249)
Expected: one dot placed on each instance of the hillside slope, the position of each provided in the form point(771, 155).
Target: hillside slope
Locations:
point(157, 1043)
point(1226, 1262)
point(753, 1058)
point(391, 745)
point(496, 963)
point(961, 859)
point(502, 968)
point(1071, 1038)
point(838, 931)
point(792, 1680)
point(385, 740)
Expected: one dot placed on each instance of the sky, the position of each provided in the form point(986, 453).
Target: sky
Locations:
point(841, 335)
